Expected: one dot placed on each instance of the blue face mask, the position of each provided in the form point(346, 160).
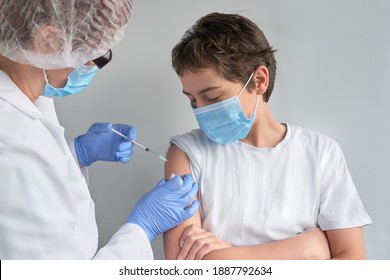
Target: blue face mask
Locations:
point(78, 80)
point(225, 122)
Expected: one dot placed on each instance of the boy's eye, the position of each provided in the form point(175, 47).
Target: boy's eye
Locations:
point(213, 99)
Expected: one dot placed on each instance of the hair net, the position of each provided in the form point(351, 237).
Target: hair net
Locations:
point(55, 34)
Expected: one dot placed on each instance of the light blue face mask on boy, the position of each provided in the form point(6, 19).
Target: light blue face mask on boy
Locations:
point(78, 80)
point(225, 122)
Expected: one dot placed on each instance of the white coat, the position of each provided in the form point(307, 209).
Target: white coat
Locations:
point(46, 211)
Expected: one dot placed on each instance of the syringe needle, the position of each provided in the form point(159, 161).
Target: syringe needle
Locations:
point(139, 145)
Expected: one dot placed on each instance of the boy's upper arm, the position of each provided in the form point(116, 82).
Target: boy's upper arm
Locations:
point(179, 164)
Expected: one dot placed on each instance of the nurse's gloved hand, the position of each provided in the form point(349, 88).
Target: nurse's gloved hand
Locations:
point(165, 206)
point(100, 143)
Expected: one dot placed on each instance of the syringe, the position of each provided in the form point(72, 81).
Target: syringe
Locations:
point(139, 145)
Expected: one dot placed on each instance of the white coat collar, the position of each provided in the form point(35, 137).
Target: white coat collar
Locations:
point(42, 109)
point(10, 92)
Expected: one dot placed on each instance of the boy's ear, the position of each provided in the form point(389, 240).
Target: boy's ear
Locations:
point(261, 76)
point(47, 39)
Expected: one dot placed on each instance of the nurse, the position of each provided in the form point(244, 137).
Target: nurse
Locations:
point(54, 49)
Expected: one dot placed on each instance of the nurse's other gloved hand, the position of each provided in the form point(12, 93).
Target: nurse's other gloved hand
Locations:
point(165, 206)
point(100, 143)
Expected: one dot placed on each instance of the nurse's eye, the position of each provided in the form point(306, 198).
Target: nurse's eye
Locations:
point(193, 104)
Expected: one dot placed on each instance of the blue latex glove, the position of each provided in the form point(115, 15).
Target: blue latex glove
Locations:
point(165, 206)
point(100, 143)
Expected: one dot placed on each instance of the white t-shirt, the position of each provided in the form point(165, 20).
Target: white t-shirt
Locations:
point(253, 195)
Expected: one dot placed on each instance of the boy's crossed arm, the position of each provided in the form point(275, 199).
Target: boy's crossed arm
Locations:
point(199, 244)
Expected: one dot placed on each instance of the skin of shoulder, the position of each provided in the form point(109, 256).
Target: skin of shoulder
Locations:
point(179, 164)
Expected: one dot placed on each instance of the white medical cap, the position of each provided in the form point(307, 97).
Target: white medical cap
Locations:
point(55, 34)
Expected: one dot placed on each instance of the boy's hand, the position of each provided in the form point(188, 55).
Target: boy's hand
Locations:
point(317, 247)
point(195, 243)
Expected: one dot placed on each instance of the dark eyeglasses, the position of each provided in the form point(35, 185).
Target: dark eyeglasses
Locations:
point(103, 60)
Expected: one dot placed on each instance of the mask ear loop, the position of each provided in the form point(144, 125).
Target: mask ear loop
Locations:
point(257, 98)
point(44, 74)
point(247, 82)
point(257, 104)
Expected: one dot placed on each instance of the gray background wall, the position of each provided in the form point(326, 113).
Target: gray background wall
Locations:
point(333, 76)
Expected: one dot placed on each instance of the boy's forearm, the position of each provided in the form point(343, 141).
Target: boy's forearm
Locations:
point(257, 252)
point(311, 244)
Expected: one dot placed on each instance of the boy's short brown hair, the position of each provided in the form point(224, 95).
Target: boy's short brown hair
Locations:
point(230, 43)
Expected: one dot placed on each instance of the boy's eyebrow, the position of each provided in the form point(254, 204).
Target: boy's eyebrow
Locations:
point(203, 91)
